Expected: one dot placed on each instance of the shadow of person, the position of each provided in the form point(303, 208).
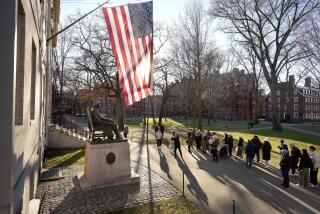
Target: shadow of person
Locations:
point(193, 185)
point(164, 164)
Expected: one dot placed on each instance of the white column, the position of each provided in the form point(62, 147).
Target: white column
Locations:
point(8, 22)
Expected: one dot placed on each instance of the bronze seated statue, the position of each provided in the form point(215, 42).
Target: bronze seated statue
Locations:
point(98, 122)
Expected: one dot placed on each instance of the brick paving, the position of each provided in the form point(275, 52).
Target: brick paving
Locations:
point(65, 195)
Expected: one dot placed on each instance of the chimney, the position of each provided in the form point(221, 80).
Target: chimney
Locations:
point(307, 82)
point(292, 80)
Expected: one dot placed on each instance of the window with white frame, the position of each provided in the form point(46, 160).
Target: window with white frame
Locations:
point(278, 93)
point(296, 107)
point(296, 99)
point(296, 115)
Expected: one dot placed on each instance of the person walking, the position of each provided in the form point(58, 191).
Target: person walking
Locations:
point(249, 154)
point(126, 132)
point(214, 147)
point(304, 166)
point(162, 129)
point(240, 147)
point(266, 151)
point(159, 139)
point(285, 166)
point(156, 128)
point(257, 147)
point(198, 139)
point(316, 165)
point(177, 145)
point(295, 155)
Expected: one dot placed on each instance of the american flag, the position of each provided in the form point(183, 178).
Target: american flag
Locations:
point(130, 30)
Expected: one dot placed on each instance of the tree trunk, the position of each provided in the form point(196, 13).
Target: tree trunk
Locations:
point(256, 106)
point(161, 114)
point(199, 117)
point(275, 111)
point(208, 117)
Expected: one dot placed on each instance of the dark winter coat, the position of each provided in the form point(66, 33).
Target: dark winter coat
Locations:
point(295, 155)
point(305, 162)
point(250, 150)
point(257, 144)
point(266, 150)
point(176, 140)
point(230, 141)
point(240, 142)
point(198, 138)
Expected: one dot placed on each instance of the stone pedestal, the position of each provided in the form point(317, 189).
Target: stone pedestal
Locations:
point(107, 165)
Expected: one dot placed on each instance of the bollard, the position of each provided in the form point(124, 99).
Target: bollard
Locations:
point(233, 206)
point(183, 183)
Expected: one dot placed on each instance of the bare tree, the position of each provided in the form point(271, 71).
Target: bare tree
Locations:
point(312, 42)
point(164, 83)
point(61, 56)
point(272, 29)
point(191, 48)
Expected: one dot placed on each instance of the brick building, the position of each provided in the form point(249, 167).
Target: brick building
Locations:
point(296, 103)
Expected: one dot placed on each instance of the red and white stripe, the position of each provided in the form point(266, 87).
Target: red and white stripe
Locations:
point(134, 56)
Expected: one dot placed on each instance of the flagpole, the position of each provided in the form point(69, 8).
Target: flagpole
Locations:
point(73, 23)
point(147, 110)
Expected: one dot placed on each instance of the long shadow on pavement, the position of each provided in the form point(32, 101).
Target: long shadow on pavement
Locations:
point(262, 184)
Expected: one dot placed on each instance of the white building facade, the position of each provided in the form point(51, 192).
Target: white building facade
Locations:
point(25, 83)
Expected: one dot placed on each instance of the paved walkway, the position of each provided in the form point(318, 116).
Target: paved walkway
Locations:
point(65, 196)
point(215, 185)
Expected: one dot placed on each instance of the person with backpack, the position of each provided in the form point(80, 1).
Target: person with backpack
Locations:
point(316, 165)
point(249, 154)
point(304, 166)
point(295, 155)
point(266, 152)
point(285, 166)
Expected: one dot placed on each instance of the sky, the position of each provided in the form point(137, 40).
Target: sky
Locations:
point(164, 11)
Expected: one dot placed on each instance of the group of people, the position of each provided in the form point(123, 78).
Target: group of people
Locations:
point(305, 162)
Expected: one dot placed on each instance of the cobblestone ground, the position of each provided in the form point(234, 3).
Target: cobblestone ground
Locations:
point(65, 195)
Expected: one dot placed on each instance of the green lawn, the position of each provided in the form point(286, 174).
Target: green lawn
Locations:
point(65, 157)
point(315, 129)
point(178, 123)
point(178, 205)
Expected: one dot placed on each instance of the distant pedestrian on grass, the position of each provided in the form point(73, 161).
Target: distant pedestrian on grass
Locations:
point(177, 145)
point(159, 139)
point(249, 154)
point(304, 166)
point(266, 152)
point(239, 149)
point(285, 166)
point(316, 165)
point(295, 155)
